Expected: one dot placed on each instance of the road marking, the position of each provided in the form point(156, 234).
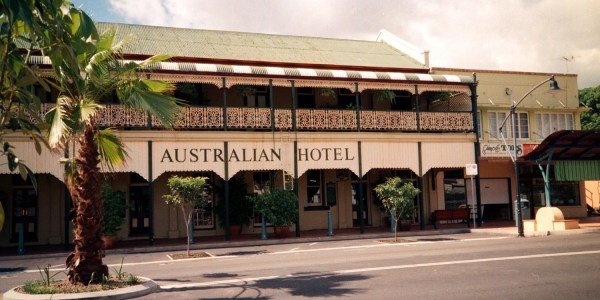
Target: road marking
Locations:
point(363, 270)
point(380, 245)
point(468, 261)
point(164, 262)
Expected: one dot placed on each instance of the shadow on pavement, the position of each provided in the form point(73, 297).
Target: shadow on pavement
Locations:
point(311, 285)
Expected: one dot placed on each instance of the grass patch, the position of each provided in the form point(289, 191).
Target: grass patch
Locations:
point(65, 287)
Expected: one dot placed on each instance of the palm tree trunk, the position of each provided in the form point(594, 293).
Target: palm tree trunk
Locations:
point(85, 263)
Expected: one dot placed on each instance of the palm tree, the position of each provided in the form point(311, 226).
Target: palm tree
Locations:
point(100, 71)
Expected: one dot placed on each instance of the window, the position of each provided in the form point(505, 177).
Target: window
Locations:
point(346, 99)
point(547, 123)
point(204, 217)
point(24, 209)
point(454, 189)
point(259, 99)
point(479, 126)
point(139, 205)
point(495, 119)
point(261, 182)
point(403, 101)
point(306, 98)
point(314, 196)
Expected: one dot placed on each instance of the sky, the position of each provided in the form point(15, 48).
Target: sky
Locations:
point(551, 36)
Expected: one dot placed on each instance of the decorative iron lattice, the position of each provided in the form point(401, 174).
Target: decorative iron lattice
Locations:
point(283, 119)
point(445, 121)
point(326, 119)
point(388, 120)
point(116, 115)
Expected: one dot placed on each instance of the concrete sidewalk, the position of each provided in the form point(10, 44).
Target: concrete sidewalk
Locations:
point(506, 228)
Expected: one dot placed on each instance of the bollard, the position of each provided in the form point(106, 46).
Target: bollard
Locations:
point(263, 229)
point(21, 248)
point(329, 223)
point(190, 231)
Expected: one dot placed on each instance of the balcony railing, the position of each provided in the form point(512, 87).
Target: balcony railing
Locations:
point(115, 115)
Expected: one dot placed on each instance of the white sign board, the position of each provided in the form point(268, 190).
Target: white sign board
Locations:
point(471, 169)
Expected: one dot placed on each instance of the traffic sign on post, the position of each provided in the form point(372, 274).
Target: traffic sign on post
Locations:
point(471, 169)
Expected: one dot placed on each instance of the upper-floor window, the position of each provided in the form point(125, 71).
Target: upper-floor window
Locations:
point(479, 125)
point(495, 119)
point(547, 123)
point(306, 98)
point(259, 98)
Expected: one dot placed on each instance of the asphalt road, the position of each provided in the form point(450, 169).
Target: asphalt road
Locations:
point(463, 266)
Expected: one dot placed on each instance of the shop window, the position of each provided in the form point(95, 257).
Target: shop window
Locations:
point(495, 119)
point(24, 209)
point(314, 187)
point(204, 217)
point(454, 189)
point(548, 123)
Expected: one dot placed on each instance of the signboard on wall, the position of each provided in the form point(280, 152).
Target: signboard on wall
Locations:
point(499, 150)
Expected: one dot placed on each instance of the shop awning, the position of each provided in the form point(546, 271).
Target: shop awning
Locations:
point(575, 153)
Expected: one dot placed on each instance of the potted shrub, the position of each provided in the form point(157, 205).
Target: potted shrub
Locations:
point(279, 207)
point(240, 207)
point(386, 96)
point(327, 92)
point(397, 198)
point(114, 208)
point(245, 91)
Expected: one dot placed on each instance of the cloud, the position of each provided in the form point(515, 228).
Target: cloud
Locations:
point(498, 35)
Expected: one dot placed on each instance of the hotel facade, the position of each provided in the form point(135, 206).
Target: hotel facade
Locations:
point(327, 118)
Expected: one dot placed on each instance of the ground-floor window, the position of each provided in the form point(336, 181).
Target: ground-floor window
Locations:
point(24, 210)
point(562, 193)
point(204, 217)
point(261, 182)
point(314, 187)
point(355, 203)
point(139, 205)
point(454, 189)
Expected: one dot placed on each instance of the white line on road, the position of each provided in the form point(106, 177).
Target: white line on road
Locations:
point(295, 250)
point(362, 270)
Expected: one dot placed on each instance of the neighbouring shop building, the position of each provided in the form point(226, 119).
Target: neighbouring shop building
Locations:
point(326, 118)
point(539, 115)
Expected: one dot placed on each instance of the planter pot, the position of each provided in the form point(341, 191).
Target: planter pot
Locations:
point(281, 232)
point(235, 230)
point(110, 241)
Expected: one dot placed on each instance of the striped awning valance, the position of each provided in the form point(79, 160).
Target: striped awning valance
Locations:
point(240, 70)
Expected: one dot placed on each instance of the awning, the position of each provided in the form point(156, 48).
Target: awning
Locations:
point(575, 153)
point(304, 73)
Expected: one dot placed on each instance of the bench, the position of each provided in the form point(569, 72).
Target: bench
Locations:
point(458, 214)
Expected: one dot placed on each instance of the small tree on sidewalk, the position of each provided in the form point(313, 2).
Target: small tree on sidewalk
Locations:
point(397, 198)
point(187, 193)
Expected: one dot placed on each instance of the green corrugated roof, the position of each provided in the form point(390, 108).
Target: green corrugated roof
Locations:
point(211, 44)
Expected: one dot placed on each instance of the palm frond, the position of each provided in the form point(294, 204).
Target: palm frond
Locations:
point(155, 59)
point(144, 94)
point(111, 149)
point(57, 118)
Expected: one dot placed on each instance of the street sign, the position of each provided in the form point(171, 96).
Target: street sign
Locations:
point(471, 169)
